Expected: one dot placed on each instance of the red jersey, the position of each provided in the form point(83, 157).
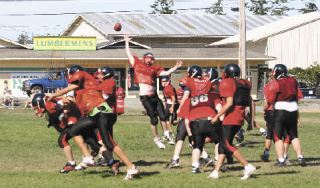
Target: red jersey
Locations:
point(168, 93)
point(267, 92)
point(235, 114)
point(144, 74)
point(87, 95)
point(282, 90)
point(202, 104)
point(108, 87)
point(179, 94)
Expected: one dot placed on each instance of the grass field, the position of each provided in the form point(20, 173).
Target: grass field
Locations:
point(30, 157)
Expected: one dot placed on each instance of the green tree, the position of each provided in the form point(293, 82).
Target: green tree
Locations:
point(24, 39)
point(259, 7)
point(216, 8)
point(163, 7)
point(310, 75)
point(309, 7)
point(278, 8)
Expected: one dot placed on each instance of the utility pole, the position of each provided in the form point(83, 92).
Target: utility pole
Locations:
point(242, 40)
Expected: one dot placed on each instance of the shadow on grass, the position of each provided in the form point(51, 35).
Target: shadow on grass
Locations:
point(146, 163)
point(309, 161)
point(278, 173)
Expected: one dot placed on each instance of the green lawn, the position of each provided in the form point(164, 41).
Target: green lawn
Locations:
point(30, 157)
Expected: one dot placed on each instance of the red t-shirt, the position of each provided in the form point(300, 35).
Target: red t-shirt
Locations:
point(235, 114)
point(144, 74)
point(168, 93)
point(201, 102)
point(87, 95)
point(289, 91)
point(108, 87)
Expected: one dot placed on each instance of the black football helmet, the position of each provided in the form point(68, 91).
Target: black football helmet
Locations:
point(279, 70)
point(231, 70)
point(107, 72)
point(72, 70)
point(38, 100)
point(195, 71)
point(38, 103)
point(212, 74)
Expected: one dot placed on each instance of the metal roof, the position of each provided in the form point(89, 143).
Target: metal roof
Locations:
point(119, 54)
point(178, 25)
point(14, 43)
point(272, 29)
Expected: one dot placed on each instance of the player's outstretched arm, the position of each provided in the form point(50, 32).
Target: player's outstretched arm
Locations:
point(130, 56)
point(170, 71)
point(63, 91)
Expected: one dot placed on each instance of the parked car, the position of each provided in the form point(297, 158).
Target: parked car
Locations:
point(48, 83)
point(307, 92)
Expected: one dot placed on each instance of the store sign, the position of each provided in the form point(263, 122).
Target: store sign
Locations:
point(64, 43)
point(18, 78)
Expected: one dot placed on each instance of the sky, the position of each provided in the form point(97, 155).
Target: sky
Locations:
point(42, 17)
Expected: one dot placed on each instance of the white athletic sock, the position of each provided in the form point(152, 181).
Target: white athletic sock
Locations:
point(72, 162)
point(175, 157)
point(281, 160)
point(196, 164)
point(262, 130)
point(166, 133)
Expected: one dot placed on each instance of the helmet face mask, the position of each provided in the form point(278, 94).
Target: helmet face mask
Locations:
point(231, 70)
point(106, 72)
point(194, 71)
point(148, 59)
point(212, 74)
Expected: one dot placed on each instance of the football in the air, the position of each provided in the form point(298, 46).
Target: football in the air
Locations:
point(117, 27)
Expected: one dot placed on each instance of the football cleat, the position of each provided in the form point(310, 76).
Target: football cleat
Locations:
point(214, 175)
point(195, 170)
point(131, 173)
point(248, 171)
point(158, 142)
point(205, 161)
point(280, 164)
point(102, 162)
point(173, 164)
point(170, 141)
point(115, 167)
point(85, 164)
point(286, 160)
point(302, 161)
point(265, 157)
point(67, 168)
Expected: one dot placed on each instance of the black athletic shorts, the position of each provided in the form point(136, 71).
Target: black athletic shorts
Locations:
point(154, 107)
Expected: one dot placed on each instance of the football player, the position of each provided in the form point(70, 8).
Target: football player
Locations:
point(145, 72)
point(202, 109)
point(284, 96)
point(170, 97)
point(235, 94)
point(96, 110)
